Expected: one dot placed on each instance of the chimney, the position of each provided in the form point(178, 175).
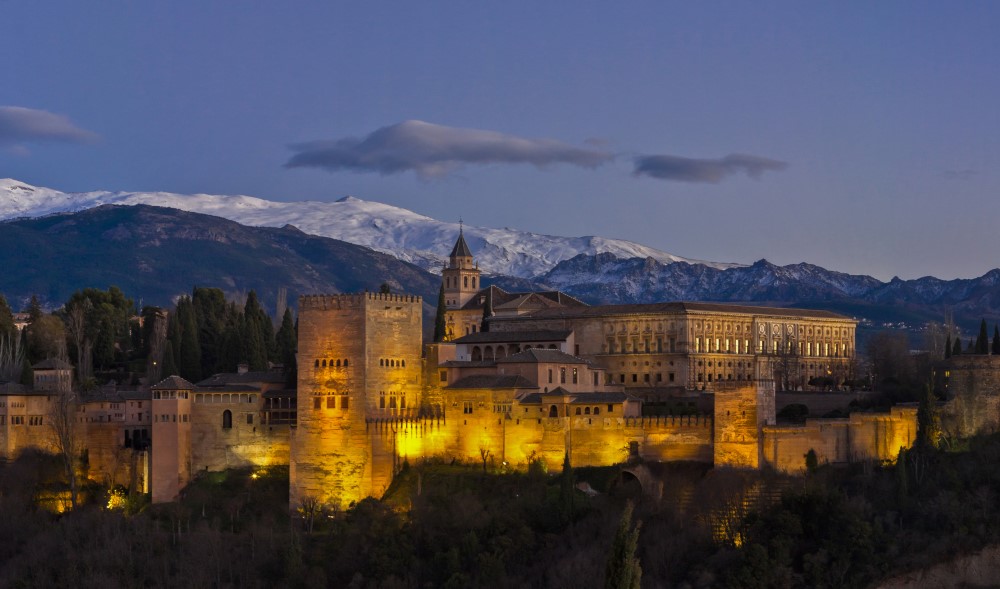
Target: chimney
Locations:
point(242, 368)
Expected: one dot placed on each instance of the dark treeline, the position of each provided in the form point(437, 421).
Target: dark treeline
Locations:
point(452, 526)
point(107, 337)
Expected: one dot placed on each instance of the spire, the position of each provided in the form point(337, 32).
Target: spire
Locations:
point(461, 249)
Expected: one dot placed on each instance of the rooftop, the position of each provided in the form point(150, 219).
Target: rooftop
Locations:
point(673, 307)
point(492, 381)
point(231, 378)
point(500, 337)
point(173, 383)
point(539, 356)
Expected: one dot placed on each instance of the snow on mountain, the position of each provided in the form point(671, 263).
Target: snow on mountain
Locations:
point(407, 235)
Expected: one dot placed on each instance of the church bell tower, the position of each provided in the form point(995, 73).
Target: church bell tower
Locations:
point(461, 275)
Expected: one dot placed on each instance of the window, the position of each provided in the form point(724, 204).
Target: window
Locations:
point(597, 410)
point(467, 407)
point(611, 408)
point(635, 378)
point(562, 376)
point(331, 402)
point(227, 419)
point(345, 402)
point(577, 410)
point(550, 376)
point(317, 403)
point(574, 376)
point(444, 376)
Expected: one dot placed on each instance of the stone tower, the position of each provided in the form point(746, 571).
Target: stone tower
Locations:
point(461, 275)
point(359, 361)
point(171, 459)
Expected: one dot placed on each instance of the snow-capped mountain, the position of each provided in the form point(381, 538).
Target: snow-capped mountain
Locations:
point(407, 235)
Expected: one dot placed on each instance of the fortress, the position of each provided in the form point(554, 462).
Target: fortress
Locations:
point(519, 378)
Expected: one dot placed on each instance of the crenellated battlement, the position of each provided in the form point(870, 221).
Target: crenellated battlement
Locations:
point(354, 300)
point(670, 421)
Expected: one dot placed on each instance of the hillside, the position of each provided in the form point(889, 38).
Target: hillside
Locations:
point(156, 254)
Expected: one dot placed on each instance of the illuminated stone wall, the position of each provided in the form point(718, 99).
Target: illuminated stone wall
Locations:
point(862, 436)
point(18, 431)
point(214, 447)
point(354, 351)
point(740, 412)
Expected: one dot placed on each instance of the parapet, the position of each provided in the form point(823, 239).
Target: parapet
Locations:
point(354, 300)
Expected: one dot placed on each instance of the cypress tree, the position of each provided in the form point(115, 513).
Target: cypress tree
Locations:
point(971, 348)
point(956, 349)
point(255, 348)
point(174, 337)
point(169, 366)
point(996, 340)
point(287, 344)
point(7, 329)
point(439, 324)
point(34, 309)
point(947, 347)
point(190, 358)
point(484, 325)
point(983, 340)
point(623, 570)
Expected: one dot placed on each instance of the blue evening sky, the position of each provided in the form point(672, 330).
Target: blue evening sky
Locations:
point(867, 135)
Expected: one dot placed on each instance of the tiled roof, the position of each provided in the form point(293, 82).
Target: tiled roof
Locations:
point(672, 307)
point(53, 364)
point(538, 355)
point(577, 398)
point(499, 337)
point(461, 248)
point(230, 378)
point(229, 388)
point(491, 381)
point(173, 383)
point(500, 298)
point(469, 364)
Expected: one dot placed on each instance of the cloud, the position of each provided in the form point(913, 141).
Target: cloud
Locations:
point(27, 125)
point(960, 174)
point(435, 150)
point(712, 171)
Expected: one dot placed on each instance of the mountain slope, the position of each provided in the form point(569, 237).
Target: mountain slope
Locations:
point(157, 253)
point(402, 233)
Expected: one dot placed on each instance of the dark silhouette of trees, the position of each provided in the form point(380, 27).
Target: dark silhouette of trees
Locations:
point(440, 328)
point(623, 570)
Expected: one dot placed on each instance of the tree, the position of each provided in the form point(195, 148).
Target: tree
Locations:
point(169, 364)
point(34, 309)
point(46, 338)
point(287, 343)
point(62, 419)
point(947, 347)
point(623, 570)
point(982, 340)
point(7, 329)
point(384, 288)
point(996, 340)
point(189, 362)
point(440, 328)
point(484, 325)
point(956, 349)
point(928, 420)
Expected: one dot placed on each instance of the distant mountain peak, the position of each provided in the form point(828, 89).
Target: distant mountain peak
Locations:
point(393, 230)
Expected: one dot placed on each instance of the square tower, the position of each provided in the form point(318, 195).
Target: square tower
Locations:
point(359, 359)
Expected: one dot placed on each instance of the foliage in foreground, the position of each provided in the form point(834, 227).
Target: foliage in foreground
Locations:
point(447, 525)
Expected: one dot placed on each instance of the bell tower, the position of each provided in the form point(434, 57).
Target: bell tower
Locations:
point(461, 275)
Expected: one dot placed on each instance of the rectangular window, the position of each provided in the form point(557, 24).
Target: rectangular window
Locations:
point(645, 378)
point(659, 377)
point(562, 376)
point(444, 376)
point(317, 403)
point(467, 407)
point(611, 408)
point(621, 378)
point(331, 402)
point(249, 418)
point(345, 402)
point(635, 378)
point(574, 375)
point(576, 350)
point(550, 376)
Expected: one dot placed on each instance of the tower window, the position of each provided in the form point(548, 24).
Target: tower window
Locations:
point(227, 419)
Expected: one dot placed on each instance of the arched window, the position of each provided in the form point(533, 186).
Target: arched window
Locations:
point(317, 363)
point(227, 419)
point(553, 411)
point(381, 362)
point(586, 410)
point(477, 354)
point(402, 363)
point(324, 363)
point(338, 363)
point(597, 410)
point(465, 281)
point(346, 363)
